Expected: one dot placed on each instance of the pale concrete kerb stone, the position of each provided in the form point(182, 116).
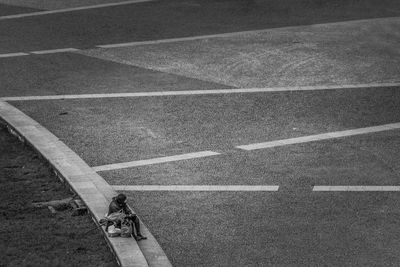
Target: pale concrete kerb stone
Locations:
point(90, 186)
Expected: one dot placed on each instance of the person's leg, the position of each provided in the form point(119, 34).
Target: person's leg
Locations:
point(136, 221)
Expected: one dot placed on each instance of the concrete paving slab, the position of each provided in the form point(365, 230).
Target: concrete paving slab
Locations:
point(77, 178)
point(24, 124)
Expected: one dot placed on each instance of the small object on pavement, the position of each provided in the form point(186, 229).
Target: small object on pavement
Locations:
point(140, 237)
point(52, 209)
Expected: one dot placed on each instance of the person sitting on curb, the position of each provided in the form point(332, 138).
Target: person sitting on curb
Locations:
point(117, 205)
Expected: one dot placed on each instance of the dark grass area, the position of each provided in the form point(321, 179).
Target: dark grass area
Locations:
point(6, 10)
point(172, 19)
point(142, 128)
point(369, 159)
point(69, 73)
point(33, 236)
point(273, 228)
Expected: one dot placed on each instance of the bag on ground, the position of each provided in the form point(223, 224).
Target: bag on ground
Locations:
point(126, 229)
point(113, 231)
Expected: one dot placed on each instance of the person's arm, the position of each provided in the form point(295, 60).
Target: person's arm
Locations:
point(126, 209)
point(113, 208)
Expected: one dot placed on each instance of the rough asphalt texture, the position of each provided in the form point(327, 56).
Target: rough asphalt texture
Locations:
point(349, 52)
point(142, 128)
point(293, 226)
point(274, 228)
point(56, 4)
point(76, 74)
point(170, 19)
point(12, 9)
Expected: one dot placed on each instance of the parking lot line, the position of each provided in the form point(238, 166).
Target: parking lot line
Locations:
point(317, 137)
point(48, 12)
point(357, 188)
point(13, 55)
point(180, 39)
point(203, 92)
point(218, 35)
point(234, 188)
point(276, 143)
point(52, 51)
point(154, 161)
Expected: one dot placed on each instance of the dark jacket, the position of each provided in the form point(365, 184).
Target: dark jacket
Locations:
point(116, 207)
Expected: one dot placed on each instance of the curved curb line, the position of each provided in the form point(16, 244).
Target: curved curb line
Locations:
point(94, 191)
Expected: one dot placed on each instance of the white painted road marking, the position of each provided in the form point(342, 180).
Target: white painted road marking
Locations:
point(181, 39)
point(218, 35)
point(145, 162)
point(283, 142)
point(40, 52)
point(202, 92)
point(233, 188)
point(13, 55)
point(48, 12)
point(137, 43)
point(60, 50)
point(357, 188)
point(318, 137)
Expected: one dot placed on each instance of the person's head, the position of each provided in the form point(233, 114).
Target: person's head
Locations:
point(121, 198)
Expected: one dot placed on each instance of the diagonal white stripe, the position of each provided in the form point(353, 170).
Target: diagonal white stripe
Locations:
point(201, 92)
point(181, 39)
point(283, 142)
point(13, 55)
point(311, 138)
point(218, 35)
point(60, 50)
point(154, 161)
point(233, 188)
point(48, 12)
point(357, 188)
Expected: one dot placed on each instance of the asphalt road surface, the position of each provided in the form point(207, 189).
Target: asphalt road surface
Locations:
point(194, 138)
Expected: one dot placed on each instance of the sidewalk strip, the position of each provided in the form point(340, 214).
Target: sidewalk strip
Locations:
point(95, 192)
point(13, 55)
point(137, 163)
point(356, 188)
point(232, 188)
point(48, 12)
point(317, 137)
point(60, 50)
point(202, 92)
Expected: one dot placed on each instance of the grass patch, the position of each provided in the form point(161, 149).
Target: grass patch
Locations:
point(33, 236)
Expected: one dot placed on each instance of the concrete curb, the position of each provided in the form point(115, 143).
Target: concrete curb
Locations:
point(94, 191)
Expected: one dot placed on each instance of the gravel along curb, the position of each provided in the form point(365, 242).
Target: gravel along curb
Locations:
point(95, 192)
